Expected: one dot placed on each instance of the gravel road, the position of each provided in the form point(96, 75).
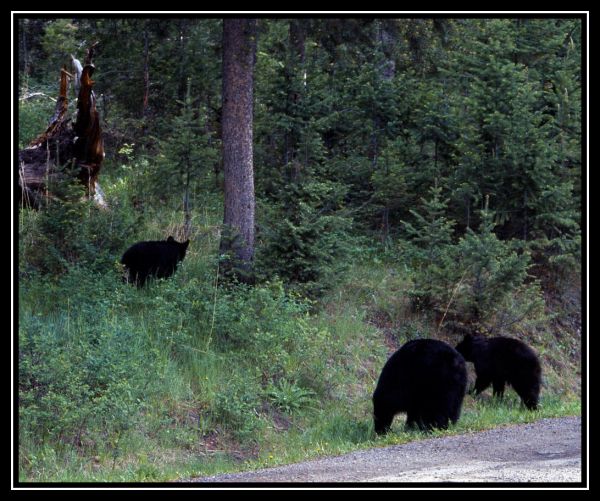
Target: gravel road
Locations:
point(548, 450)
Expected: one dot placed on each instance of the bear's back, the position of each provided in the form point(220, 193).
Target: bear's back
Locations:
point(511, 349)
point(149, 252)
point(424, 360)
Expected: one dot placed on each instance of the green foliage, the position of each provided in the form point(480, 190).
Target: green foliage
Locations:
point(355, 120)
point(72, 230)
point(473, 280)
point(304, 239)
point(431, 253)
point(34, 114)
point(84, 375)
point(288, 397)
point(494, 274)
point(61, 39)
point(187, 154)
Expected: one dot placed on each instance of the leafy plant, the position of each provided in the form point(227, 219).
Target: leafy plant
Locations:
point(288, 397)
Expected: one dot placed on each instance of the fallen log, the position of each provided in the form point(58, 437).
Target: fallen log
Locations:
point(66, 148)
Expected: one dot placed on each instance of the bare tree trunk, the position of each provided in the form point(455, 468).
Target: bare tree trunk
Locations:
point(146, 74)
point(24, 47)
point(294, 73)
point(77, 70)
point(237, 241)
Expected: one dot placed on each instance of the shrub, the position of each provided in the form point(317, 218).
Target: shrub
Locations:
point(304, 240)
point(72, 230)
point(474, 281)
point(82, 379)
point(288, 397)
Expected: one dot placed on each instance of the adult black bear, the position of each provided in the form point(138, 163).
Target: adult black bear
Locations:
point(425, 378)
point(153, 258)
point(501, 360)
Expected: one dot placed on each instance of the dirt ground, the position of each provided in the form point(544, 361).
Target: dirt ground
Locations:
point(547, 451)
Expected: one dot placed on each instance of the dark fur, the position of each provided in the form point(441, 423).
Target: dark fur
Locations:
point(425, 378)
point(502, 360)
point(153, 258)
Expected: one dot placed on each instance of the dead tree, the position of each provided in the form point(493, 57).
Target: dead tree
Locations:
point(65, 148)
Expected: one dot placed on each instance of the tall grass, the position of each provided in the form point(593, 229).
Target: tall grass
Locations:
point(185, 377)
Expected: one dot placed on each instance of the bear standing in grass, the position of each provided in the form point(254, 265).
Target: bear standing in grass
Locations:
point(153, 258)
point(425, 378)
point(501, 360)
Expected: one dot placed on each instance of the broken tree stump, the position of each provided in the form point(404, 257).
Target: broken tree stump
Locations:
point(65, 148)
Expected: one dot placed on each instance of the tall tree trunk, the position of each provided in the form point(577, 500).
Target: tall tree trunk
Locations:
point(294, 74)
point(146, 77)
point(183, 67)
point(24, 60)
point(237, 241)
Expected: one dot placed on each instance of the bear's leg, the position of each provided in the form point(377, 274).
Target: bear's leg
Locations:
point(413, 420)
point(531, 402)
point(438, 420)
point(454, 411)
point(134, 276)
point(481, 383)
point(383, 411)
point(498, 385)
point(141, 278)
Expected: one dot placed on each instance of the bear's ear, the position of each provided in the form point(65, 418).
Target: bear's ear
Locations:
point(170, 239)
point(185, 244)
point(468, 337)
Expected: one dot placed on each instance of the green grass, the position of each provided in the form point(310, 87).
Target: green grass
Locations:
point(187, 379)
point(329, 432)
point(335, 434)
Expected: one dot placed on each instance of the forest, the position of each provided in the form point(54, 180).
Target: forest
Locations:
point(346, 184)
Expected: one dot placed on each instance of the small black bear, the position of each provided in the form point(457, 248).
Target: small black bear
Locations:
point(425, 378)
point(501, 360)
point(154, 258)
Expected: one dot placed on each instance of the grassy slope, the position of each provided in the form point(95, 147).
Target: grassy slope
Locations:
point(344, 346)
point(170, 444)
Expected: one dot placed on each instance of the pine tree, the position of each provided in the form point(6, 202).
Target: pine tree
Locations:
point(185, 158)
point(511, 146)
point(493, 273)
point(430, 252)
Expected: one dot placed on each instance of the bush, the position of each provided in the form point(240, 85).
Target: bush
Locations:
point(82, 380)
point(72, 230)
point(493, 272)
point(431, 253)
point(304, 241)
point(474, 281)
point(288, 397)
point(34, 114)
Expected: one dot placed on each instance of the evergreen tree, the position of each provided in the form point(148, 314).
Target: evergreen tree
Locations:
point(185, 158)
point(493, 274)
point(304, 239)
point(430, 252)
point(508, 146)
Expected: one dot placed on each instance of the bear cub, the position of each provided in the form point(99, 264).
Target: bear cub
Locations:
point(501, 360)
point(156, 258)
point(425, 378)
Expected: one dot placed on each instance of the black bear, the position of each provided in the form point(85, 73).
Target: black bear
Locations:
point(154, 258)
point(501, 360)
point(425, 378)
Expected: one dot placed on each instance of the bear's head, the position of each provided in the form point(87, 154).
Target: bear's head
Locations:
point(470, 344)
point(181, 247)
point(382, 416)
point(465, 347)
